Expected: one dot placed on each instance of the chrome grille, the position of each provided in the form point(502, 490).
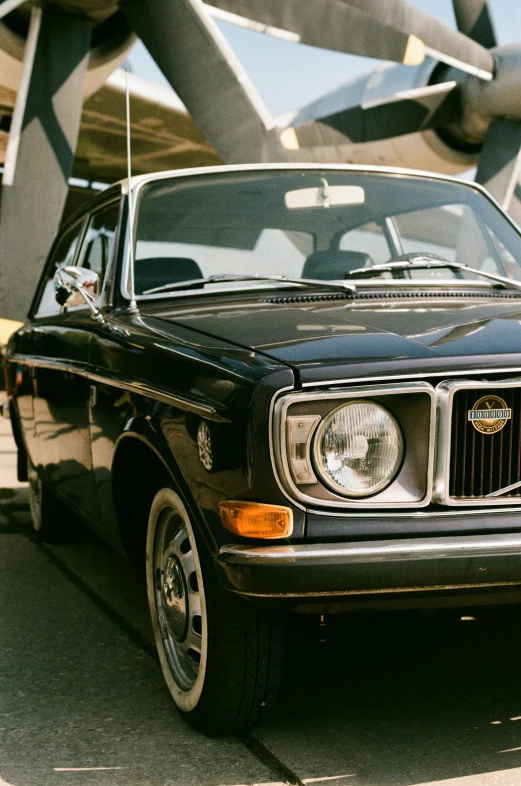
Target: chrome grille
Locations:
point(483, 463)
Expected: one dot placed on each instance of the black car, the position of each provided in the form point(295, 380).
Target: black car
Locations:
point(282, 389)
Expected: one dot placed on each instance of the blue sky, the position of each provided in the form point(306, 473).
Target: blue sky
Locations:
point(289, 76)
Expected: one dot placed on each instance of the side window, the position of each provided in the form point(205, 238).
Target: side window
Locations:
point(63, 254)
point(98, 244)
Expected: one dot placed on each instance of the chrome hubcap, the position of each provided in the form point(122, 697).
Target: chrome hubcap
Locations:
point(173, 597)
point(178, 600)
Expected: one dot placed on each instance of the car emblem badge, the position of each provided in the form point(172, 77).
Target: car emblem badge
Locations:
point(489, 414)
point(204, 446)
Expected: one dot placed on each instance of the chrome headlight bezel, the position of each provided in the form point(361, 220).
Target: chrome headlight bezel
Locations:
point(322, 472)
point(295, 417)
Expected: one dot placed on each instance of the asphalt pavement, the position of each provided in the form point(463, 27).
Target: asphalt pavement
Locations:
point(386, 700)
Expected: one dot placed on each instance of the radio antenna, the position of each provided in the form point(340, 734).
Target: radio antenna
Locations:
point(133, 305)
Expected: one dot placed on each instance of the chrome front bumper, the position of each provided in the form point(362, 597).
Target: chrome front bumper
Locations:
point(372, 567)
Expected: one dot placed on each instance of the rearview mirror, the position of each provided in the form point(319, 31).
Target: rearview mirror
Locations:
point(75, 286)
point(324, 196)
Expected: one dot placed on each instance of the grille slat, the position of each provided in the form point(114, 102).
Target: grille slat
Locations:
point(483, 463)
point(501, 448)
point(491, 466)
point(455, 468)
point(518, 473)
point(473, 457)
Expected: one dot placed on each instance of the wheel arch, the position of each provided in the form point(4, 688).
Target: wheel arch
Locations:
point(140, 467)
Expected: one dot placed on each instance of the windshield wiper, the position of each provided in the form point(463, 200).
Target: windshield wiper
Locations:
point(426, 264)
point(219, 277)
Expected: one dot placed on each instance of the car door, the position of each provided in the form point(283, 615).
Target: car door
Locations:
point(59, 344)
point(58, 347)
point(97, 254)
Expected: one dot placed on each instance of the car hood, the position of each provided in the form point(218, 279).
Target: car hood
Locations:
point(331, 340)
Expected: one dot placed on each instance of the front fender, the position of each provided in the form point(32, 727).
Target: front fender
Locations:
point(142, 471)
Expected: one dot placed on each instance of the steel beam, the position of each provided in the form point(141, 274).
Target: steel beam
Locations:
point(202, 68)
point(40, 153)
point(9, 5)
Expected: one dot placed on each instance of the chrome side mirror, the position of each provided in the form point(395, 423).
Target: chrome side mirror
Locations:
point(74, 286)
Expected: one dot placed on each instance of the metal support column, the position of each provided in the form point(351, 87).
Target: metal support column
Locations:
point(40, 151)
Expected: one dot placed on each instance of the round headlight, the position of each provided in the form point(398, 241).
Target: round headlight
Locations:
point(358, 449)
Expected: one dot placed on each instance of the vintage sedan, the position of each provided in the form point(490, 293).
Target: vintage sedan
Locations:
point(278, 389)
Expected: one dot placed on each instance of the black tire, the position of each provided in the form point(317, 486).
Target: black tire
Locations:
point(47, 512)
point(222, 658)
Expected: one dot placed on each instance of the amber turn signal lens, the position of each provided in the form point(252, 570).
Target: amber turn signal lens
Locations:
point(257, 520)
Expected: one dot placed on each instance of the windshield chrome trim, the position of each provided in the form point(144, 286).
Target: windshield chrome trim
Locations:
point(139, 181)
point(278, 452)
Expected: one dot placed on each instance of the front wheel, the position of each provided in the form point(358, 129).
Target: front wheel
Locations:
point(221, 657)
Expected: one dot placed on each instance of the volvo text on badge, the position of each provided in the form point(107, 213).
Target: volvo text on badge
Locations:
point(489, 414)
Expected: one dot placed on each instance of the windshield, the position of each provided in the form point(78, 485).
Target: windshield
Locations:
point(313, 224)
